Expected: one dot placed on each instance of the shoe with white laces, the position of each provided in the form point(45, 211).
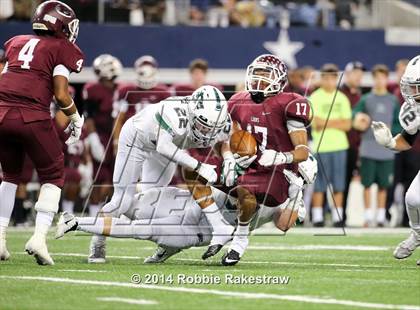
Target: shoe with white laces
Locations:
point(407, 247)
point(67, 222)
point(162, 254)
point(97, 250)
point(37, 246)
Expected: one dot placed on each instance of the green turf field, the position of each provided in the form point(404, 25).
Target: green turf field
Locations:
point(330, 272)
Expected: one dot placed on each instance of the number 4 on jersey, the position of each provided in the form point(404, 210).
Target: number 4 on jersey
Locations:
point(26, 54)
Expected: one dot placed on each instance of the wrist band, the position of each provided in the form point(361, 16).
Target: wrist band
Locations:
point(68, 107)
point(289, 157)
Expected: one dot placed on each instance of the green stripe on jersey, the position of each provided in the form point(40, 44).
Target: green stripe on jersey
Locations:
point(164, 125)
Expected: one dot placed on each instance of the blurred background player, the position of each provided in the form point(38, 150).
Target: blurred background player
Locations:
point(377, 164)
point(409, 118)
point(132, 98)
point(331, 122)
point(37, 68)
point(99, 97)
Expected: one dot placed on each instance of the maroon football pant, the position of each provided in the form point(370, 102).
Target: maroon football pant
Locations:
point(39, 141)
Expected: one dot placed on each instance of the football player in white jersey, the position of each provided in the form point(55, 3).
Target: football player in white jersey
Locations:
point(171, 217)
point(410, 121)
point(155, 140)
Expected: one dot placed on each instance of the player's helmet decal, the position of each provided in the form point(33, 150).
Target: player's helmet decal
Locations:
point(410, 82)
point(57, 18)
point(267, 74)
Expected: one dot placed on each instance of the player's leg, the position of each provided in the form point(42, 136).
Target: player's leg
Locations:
point(43, 146)
point(412, 202)
point(71, 189)
point(11, 160)
point(127, 172)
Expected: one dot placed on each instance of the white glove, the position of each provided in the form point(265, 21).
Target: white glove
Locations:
point(383, 135)
point(229, 170)
point(273, 158)
point(74, 128)
point(245, 161)
point(208, 172)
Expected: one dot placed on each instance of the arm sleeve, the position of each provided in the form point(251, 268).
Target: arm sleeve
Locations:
point(168, 149)
point(360, 106)
point(299, 109)
point(409, 138)
point(396, 127)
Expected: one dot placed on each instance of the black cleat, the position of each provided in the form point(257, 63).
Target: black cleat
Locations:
point(231, 258)
point(211, 251)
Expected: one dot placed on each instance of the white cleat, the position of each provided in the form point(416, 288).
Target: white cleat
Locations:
point(4, 254)
point(67, 222)
point(97, 250)
point(407, 247)
point(37, 246)
point(162, 254)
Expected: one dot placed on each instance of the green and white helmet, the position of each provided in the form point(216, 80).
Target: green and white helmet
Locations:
point(207, 111)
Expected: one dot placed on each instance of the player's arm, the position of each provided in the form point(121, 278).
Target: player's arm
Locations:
point(299, 140)
point(67, 105)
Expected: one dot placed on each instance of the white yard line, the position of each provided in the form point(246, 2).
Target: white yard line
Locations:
point(191, 290)
point(81, 270)
point(128, 300)
point(242, 262)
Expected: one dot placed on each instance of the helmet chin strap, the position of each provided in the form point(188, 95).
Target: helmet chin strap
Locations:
point(257, 97)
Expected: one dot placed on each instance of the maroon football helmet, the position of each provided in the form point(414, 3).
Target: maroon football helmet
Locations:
point(266, 75)
point(146, 68)
point(57, 18)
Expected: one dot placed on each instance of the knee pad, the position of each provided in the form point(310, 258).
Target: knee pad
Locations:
point(49, 198)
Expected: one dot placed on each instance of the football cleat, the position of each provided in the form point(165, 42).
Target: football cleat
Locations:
point(418, 262)
point(212, 250)
point(162, 254)
point(4, 254)
point(67, 222)
point(97, 250)
point(37, 246)
point(231, 258)
point(407, 247)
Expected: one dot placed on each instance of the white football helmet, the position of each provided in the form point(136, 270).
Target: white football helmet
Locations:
point(410, 82)
point(208, 113)
point(107, 66)
point(146, 68)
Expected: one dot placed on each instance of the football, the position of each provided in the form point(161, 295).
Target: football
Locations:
point(243, 143)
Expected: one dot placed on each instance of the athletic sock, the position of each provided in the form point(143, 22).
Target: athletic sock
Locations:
point(220, 228)
point(317, 214)
point(43, 222)
point(413, 213)
point(7, 200)
point(337, 214)
point(67, 206)
point(94, 209)
point(380, 216)
point(368, 215)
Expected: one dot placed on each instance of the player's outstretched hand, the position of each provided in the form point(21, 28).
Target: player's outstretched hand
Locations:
point(272, 158)
point(74, 128)
point(382, 134)
point(245, 161)
point(208, 172)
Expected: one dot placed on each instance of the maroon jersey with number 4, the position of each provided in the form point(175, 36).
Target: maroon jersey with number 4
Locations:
point(27, 82)
point(267, 121)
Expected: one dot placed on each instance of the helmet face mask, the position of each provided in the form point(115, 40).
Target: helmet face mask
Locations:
point(146, 68)
point(410, 82)
point(73, 30)
point(266, 75)
point(107, 67)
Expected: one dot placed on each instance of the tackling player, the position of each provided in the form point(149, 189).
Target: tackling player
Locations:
point(153, 142)
point(410, 121)
point(278, 122)
point(37, 68)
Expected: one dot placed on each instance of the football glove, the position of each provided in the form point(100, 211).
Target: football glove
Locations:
point(383, 135)
point(245, 161)
point(74, 128)
point(273, 158)
point(208, 172)
point(229, 170)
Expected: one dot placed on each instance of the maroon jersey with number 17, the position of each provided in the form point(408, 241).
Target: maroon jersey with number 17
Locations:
point(267, 121)
point(27, 82)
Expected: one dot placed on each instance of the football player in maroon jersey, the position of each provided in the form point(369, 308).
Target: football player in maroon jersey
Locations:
point(37, 68)
point(278, 121)
point(98, 99)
